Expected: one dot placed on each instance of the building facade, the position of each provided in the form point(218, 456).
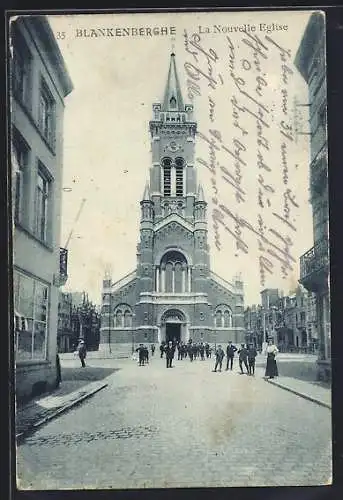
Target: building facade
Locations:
point(289, 319)
point(39, 84)
point(314, 264)
point(172, 294)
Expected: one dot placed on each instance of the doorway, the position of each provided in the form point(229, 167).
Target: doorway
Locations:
point(173, 332)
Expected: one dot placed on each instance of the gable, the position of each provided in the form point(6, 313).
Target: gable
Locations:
point(176, 219)
point(173, 231)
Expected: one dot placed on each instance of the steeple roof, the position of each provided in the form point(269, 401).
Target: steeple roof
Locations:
point(200, 196)
point(172, 95)
point(146, 195)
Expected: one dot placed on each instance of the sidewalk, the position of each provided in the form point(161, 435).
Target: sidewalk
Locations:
point(77, 384)
point(40, 410)
point(312, 391)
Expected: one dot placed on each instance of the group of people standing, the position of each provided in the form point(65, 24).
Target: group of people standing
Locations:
point(247, 358)
point(192, 350)
point(143, 353)
point(246, 355)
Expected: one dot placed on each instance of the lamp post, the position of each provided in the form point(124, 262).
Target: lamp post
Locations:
point(133, 335)
point(109, 324)
point(215, 331)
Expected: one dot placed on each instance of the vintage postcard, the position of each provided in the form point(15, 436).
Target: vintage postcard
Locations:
point(171, 303)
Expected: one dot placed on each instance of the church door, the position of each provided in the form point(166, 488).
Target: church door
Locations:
point(173, 332)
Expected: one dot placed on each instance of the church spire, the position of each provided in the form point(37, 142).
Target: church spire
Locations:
point(172, 96)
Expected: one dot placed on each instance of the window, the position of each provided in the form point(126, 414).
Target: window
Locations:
point(223, 317)
point(127, 319)
point(46, 114)
point(175, 273)
point(166, 176)
point(179, 164)
point(169, 277)
point(31, 317)
point(218, 318)
point(119, 317)
point(172, 103)
point(227, 319)
point(123, 316)
point(21, 71)
point(42, 202)
point(20, 153)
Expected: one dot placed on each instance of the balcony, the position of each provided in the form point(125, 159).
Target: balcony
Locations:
point(314, 267)
point(61, 278)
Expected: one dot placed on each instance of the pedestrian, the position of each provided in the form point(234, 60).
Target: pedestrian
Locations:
point(179, 351)
point(152, 349)
point(183, 351)
point(271, 368)
point(195, 351)
point(243, 357)
point(230, 353)
point(82, 352)
point(146, 354)
point(219, 358)
point(162, 349)
point(202, 351)
point(141, 354)
point(207, 350)
point(252, 353)
point(190, 352)
point(58, 371)
point(170, 350)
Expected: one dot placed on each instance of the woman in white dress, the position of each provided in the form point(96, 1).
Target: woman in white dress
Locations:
point(271, 368)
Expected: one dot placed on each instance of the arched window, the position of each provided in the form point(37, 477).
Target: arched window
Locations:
point(218, 318)
point(169, 277)
point(223, 317)
point(227, 318)
point(175, 277)
point(127, 318)
point(178, 277)
point(119, 318)
point(179, 167)
point(166, 164)
point(172, 102)
point(123, 316)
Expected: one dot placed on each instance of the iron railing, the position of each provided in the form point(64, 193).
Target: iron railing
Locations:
point(315, 259)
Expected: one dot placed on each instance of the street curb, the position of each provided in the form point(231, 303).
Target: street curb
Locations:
point(60, 410)
point(300, 394)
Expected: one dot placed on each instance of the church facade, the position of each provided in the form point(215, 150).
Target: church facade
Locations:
point(172, 294)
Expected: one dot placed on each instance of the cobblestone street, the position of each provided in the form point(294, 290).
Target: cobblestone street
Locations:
point(183, 427)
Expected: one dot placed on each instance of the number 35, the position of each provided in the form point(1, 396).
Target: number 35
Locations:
point(60, 35)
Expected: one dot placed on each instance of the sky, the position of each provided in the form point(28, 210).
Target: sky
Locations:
point(107, 145)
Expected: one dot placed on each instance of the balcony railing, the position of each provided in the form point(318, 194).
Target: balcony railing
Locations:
point(314, 265)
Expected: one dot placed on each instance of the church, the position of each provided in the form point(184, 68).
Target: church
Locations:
point(172, 294)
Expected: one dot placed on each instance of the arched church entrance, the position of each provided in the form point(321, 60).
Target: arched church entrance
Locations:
point(173, 325)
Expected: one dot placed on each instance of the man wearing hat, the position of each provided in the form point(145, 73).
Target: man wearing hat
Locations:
point(243, 358)
point(219, 358)
point(170, 349)
point(252, 353)
point(230, 353)
point(82, 351)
